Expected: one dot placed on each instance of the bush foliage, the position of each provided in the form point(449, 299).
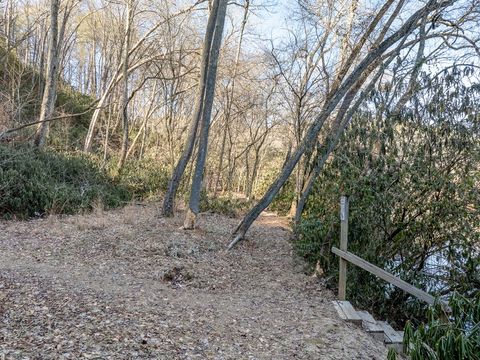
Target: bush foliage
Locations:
point(454, 338)
point(34, 183)
point(413, 183)
point(144, 178)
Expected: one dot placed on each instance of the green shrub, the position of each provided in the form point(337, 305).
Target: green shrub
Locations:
point(69, 133)
point(283, 201)
point(34, 183)
point(455, 338)
point(308, 242)
point(144, 178)
point(228, 206)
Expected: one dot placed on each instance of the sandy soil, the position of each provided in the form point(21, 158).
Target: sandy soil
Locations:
point(128, 284)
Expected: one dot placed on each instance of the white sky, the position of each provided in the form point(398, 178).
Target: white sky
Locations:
point(264, 23)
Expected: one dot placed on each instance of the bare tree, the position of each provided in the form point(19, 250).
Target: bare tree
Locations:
point(194, 204)
point(174, 183)
point(125, 98)
point(228, 110)
point(50, 91)
point(140, 47)
point(343, 83)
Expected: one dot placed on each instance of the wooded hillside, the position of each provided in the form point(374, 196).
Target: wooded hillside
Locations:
point(239, 107)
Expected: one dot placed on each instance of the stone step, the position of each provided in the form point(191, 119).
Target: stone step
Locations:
point(346, 311)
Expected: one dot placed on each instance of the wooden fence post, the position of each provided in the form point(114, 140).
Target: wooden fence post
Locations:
point(342, 274)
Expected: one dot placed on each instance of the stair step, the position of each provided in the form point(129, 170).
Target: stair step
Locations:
point(392, 338)
point(371, 326)
point(346, 311)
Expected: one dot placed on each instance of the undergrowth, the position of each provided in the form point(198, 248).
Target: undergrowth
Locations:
point(228, 206)
point(452, 337)
point(35, 183)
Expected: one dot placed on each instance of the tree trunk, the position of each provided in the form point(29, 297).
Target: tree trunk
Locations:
point(220, 164)
point(342, 120)
point(251, 181)
point(232, 91)
point(50, 91)
point(304, 187)
point(125, 100)
point(142, 130)
point(311, 135)
point(107, 134)
point(194, 204)
point(299, 182)
point(174, 183)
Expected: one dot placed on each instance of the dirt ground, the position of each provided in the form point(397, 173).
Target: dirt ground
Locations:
point(127, 284)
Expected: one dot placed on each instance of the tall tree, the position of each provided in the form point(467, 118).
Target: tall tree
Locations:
point(50, 90)
point(194, 204)
point(228, 109)
point(345, 81)
point(174, 183)
point(125, 61)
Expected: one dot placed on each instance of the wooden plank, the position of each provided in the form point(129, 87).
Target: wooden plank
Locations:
point(396, 346)
point(340, 312)
point(368, 322)
point(350, 313)
point(382, 274)
point(342, 274)
point(393, 339)
point(391, 336)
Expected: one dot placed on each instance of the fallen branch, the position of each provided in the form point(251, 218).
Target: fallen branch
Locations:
point(9, 131)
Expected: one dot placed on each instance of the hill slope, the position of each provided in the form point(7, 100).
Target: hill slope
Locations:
point(129, 285)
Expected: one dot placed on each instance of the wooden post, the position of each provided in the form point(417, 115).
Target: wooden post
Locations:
point(342, 274)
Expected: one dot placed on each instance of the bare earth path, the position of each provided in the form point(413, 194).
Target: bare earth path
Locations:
point(128, 285)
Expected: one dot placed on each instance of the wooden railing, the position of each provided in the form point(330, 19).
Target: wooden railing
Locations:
point(348, 257)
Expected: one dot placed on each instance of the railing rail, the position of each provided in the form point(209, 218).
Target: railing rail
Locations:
point(346, 257)
point(384, 275)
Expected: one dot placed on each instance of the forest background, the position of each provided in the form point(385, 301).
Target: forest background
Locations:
point(240, 107)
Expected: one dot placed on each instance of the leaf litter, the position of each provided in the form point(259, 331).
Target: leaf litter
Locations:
point(128, 284)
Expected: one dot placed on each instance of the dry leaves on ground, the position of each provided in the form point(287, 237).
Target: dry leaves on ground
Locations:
point(128, 284)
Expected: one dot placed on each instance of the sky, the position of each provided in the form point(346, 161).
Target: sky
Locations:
point(271, 22)
point(264, 23)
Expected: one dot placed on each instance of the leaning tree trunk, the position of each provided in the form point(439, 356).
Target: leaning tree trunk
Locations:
point(174, 183)
point(50, 90)
point(96, 115)
point(194, 204)
point(142, 130)
point(341, 123)
point(311, 135)
point(116, 78)
point(342, 120)
point(256, 162)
